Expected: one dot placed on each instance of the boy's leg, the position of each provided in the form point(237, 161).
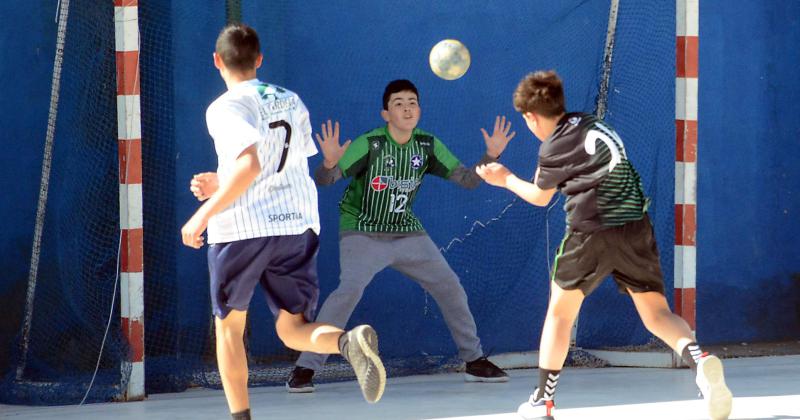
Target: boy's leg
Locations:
point(422, 261)
point(553, 348)
point(659, 320)
point(358, 346)
point(231, 359)
point(299, 334)
point(360, 258)
point(675, 332)
point(562, 310)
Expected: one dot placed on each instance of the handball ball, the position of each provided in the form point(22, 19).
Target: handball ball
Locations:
point(449, 59)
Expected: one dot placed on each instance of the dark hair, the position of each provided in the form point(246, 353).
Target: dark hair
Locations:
point(540, 92)
point(397, 86)
point(238, 46)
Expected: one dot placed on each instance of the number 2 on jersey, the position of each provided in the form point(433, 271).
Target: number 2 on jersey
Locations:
point(288, 128)
point(398, 203)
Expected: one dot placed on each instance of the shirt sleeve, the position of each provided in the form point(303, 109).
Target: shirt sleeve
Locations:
point(467, 177)
point(554, 165)
point(233, 128)
point(304, 121)
point(355, 158)
point(442, 162)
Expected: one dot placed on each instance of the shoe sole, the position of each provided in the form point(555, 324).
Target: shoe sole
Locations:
point(303, 390)
point(367, 340)
point(720, 398)
point(473, 378)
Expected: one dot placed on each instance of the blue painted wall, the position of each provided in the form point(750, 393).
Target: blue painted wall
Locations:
point(339, 59)
point(748, 239)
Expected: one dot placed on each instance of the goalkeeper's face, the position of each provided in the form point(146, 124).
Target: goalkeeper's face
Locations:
point(402, 111)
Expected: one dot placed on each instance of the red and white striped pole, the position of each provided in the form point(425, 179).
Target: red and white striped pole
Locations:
point(687, 24)
point(126, 24)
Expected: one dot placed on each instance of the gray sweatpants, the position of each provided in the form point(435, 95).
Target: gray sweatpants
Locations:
point(362, 256)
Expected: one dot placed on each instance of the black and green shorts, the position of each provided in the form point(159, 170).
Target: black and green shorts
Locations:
point(627, 252)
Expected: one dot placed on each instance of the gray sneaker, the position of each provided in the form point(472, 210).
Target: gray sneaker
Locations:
point(361, 351)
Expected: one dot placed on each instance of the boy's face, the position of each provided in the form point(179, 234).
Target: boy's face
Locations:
point(403, 112)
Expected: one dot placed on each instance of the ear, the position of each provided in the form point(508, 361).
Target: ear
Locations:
point(259, 60)
point(218, 62)
point(528, 116)
point(385, 115)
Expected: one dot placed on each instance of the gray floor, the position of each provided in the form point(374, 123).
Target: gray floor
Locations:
point(764, 388)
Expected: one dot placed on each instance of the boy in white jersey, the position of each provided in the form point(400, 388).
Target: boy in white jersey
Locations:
point(263, 223)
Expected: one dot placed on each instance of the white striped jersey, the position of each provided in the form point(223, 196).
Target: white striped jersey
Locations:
point(283, 198)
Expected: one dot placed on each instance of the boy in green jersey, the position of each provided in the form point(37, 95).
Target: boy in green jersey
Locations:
point(608, 233)
point(378, 228)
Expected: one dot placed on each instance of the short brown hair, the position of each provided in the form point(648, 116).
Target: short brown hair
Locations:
point(238, 47)
point(396, 86)
point(541, 93)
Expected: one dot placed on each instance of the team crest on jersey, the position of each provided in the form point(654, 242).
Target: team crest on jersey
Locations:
point(416, 161)
point(574, 120)
point(388, 161)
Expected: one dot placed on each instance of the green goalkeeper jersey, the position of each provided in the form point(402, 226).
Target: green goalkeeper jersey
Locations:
point(386, 177)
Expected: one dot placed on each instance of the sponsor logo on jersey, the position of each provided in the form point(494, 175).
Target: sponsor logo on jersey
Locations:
point(388, 161)
point(284, 217)
point(574, 120)
point(382, 182)
point(416, 161)
point(376, 144)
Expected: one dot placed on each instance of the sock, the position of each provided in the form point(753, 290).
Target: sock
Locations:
point(691, 354)
point(343, 341)
point(548, 380)
point(242, 415)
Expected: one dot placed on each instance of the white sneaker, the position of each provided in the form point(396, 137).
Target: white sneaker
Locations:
point(537, 410)
point(711, 381)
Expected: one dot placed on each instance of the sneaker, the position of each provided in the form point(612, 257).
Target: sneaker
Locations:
point(300, 381)
point(711, 381)
point(362, 353)
point(540, 409)
point(482, 370)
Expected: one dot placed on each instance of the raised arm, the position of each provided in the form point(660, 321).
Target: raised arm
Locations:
point(495, 145)
point(328, 172)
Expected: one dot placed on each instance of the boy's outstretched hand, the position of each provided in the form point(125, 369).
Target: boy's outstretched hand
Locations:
point(204, 185)
point(497, 142)
point(494, 174)
point(329, 143)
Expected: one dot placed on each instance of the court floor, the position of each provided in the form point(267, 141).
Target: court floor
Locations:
point(764, 388)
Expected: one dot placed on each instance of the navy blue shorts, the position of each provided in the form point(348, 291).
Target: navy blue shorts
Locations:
point(285, 266)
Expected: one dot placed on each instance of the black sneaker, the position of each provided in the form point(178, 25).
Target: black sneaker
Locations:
point(361, 350)
point(300, 381)
point(482, 370)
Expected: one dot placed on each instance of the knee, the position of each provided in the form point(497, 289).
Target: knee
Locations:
point(285, 328)
point(449, 285)
point(348, 293)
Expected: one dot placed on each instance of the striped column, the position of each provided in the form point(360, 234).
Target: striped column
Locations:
point(687, 22)
point(126, 23)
